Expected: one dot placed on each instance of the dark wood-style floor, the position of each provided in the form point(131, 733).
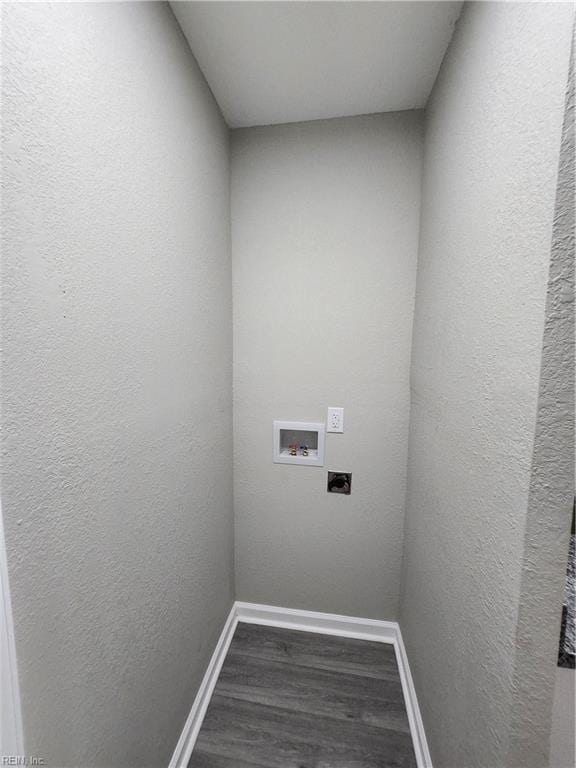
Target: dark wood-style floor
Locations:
point(287, 699)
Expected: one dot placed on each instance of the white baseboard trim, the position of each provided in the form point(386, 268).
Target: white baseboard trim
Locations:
point(423, 758)
point(311, 621)
point(183, 751)
point(304, 621)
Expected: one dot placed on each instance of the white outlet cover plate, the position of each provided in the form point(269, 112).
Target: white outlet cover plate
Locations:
point(335, 420)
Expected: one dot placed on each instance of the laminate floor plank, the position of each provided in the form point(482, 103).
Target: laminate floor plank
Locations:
point(313, 691)
point(205, 759)
point(277, 738)
point(289, 699)
point(309, 649)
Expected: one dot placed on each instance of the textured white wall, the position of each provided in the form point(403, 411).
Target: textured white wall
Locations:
point(116, 483)
point(562, 737)
point(325, 234)
point(491, 160)
point(551, 495)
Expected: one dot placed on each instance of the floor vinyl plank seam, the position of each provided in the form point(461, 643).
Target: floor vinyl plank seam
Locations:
point(373, 730)
point(286, 711)
point(207, 750)
point(304, 739)
point(320, 668)
point(294, 711)
point(321, 673)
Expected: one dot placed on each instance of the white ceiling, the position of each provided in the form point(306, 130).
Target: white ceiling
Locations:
point(282, 62)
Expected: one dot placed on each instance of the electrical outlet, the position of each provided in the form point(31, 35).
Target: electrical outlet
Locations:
point(335, 421)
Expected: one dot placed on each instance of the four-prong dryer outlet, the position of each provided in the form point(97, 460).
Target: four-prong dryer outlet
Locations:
point(335, 421)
